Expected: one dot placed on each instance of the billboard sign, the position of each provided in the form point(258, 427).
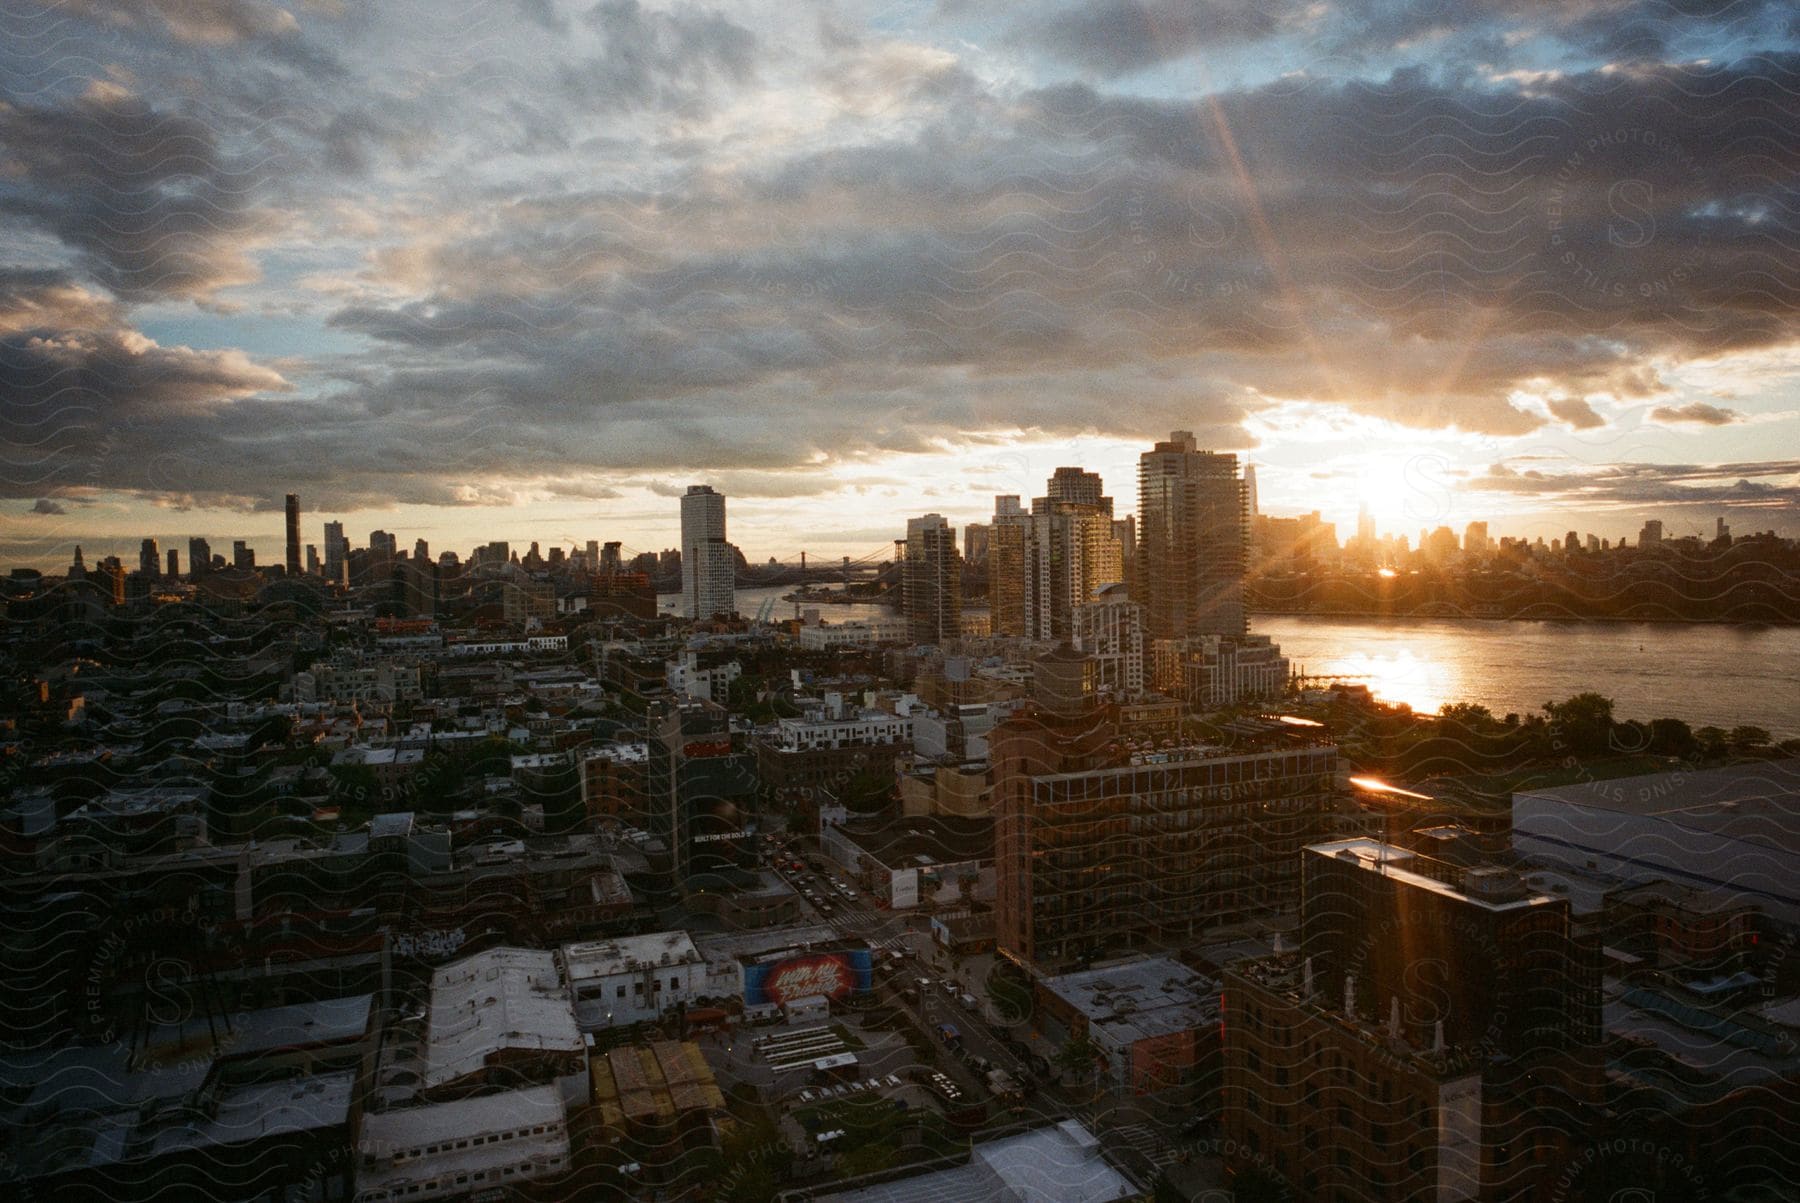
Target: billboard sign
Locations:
point(831, 974)
point(906, 889)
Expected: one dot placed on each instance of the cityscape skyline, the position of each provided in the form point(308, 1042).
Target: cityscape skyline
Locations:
point(892, 601)
point(662, 529)
point(480, 314)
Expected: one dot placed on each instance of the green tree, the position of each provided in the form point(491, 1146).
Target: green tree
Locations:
point(1010, 993)
point(1748, 737)
point(1467, 715)
point(1672, 737)
point(1582, 725)
point(1076, 1056)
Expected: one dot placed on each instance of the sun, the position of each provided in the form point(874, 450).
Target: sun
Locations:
point(1404, 491)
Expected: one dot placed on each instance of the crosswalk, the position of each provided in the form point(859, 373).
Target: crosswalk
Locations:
point(1146, 1144)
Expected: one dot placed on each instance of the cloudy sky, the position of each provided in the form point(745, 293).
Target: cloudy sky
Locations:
point(524, 271)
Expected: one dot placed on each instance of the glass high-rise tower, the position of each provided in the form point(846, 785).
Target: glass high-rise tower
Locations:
point(1193, 540)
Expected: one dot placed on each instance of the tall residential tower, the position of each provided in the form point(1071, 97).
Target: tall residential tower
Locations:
point(1193, 538)
point(708, 565)
point(931, 580)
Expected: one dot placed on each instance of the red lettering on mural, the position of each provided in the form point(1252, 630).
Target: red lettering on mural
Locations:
point(791, 980)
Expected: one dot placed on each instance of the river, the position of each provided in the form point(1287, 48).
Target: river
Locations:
point(1725, 676)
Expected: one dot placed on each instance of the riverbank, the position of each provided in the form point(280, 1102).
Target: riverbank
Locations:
point(1451, 615)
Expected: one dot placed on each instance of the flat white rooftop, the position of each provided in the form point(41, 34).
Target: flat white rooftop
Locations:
point(1389, 861)
point(1056, 1164)
point(469, 1135)
point(504, 998)
point(605, 958)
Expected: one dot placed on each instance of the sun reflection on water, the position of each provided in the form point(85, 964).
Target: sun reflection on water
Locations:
point(1424, 684)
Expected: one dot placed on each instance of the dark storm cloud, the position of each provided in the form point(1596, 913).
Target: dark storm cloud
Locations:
point(93, 403)
point(552, 262)
point(1395, 247)
point(659, 59)
point(145, 197)
point(63, 351)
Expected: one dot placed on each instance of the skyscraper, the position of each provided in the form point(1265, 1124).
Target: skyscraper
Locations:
point(1006, 565)
point(1193, 539)
point(383, 547)
point(199, 557)
point(110, 574)
point(1071, 552)
point(242, 556)
point(337, 552)
point(1125, 531)
point(975, 542)
point(149, 561)
point(174, 561)
point(708, 566)
point(293, 534)
point(931, 580)
point(1250, 491)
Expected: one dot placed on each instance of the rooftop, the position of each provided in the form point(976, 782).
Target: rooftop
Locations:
point(398, 824)
point(921, 840)
point(1486, 889)
point(1757, 803)
point(455, 1127)
point(763, 942)
point(604, 958)
point(1060, 1163)
point(1284, 974)
point(264, 1109)
point(655, 1082)
point(1141, 999)
point(504, 998)
point(621, 753)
